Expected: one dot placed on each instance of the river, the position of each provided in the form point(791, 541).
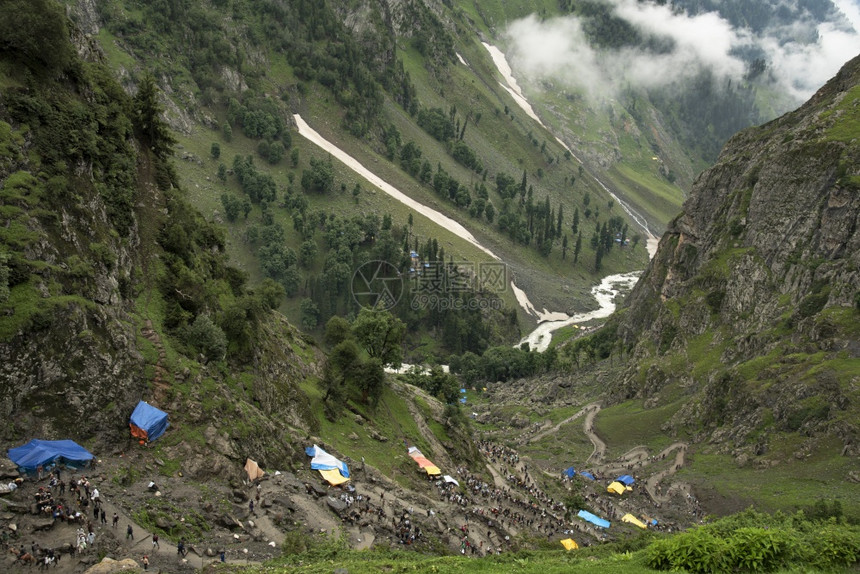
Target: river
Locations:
point(604, 293)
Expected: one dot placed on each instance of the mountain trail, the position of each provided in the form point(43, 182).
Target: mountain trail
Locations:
point(541, 434)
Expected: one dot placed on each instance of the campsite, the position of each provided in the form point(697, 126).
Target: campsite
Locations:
point(479, 510)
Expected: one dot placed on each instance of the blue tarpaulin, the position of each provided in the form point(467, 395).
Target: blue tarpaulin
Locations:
point(462, 390)
point(596, 520)
point(569, 472)
point(625, 479)
point(463, 400)
point(147, 422)
point(324, 461)
point(587, 475)
point(38, 453)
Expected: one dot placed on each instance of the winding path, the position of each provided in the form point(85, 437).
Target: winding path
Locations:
point(588, 426)
point(556, 428)
point(638, 455)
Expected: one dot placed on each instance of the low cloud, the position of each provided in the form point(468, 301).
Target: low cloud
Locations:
point(800, 57)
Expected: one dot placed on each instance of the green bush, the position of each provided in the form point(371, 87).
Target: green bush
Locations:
point(208, 338)
point(694, 551)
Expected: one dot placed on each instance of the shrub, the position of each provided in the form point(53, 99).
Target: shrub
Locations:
point(208, 338)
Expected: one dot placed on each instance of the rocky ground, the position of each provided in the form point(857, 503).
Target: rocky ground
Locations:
point(499, 509)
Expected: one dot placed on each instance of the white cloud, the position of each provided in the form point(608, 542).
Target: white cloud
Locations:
point(851, 11)
point(801, 56)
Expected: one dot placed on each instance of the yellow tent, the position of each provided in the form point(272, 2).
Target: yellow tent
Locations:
point(253, 470)
point(432, 470)
point(569, 544)
point(633, 520)
point(333, 477)
point(616, 487)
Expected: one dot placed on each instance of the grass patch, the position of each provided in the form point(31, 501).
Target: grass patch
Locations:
point(630, 424)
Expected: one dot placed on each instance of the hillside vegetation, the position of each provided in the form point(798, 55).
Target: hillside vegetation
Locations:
point(158, 212)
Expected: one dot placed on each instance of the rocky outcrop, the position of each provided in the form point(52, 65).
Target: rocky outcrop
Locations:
point(764, 261)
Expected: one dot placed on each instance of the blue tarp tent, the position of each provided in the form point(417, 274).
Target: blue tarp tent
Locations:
point(147, 422)
point(596, 520)
point(38, 453)
point(625, 479)
point(587, 475)
point(569, 472)
point(462, 390)
point(463, 401)
point(324, 461)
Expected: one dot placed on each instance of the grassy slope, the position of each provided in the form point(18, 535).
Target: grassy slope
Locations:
point(604, 126)
point(503, 144)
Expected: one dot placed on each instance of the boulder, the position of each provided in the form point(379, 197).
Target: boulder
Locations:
point(240, 495)
point(164, 523)
point(285, 502)
point(229, 521)
point(316, 489)
point(43, 524)
point(109, 566)
point(376, 436)
point(337, 505)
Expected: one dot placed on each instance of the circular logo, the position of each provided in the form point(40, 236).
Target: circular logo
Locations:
point(377, 285)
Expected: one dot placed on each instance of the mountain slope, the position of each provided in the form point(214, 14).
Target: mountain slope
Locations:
point(750, 306)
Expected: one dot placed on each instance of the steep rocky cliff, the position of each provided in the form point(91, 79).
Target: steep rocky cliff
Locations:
point(112, 288)
point(750, 307)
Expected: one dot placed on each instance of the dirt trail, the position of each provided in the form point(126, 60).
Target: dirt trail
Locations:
point(651, 484)
point(555, 428)
point(588, 426)
point(164, 557)
point(636, 456)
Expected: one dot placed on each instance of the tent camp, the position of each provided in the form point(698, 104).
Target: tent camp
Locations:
point(331, 469)
point(587, 475)
point(569, 544)
point(253, 469)
point(617, 488)
point(596, 520)
point(450, 479)
point(633, 520)
point(36, 453)
point(569, 472)
point(423, 462)
point(147, 422)
point(625, 479)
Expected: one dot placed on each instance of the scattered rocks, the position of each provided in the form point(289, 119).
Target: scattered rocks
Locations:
point(376, 436)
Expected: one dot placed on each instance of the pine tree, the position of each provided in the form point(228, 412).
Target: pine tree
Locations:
point(577, 248)
point(560, 220)
point(153, 130)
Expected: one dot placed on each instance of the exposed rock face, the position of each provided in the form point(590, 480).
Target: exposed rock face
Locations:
point(764, 259)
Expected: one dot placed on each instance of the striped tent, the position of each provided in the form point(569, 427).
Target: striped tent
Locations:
point(423, 462)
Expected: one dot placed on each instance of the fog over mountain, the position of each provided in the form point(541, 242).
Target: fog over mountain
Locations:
point(802, 45)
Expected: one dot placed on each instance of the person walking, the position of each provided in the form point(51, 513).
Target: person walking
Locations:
point(155, 541)
point(115, 519)
point(129, 532)
point(145, 562)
